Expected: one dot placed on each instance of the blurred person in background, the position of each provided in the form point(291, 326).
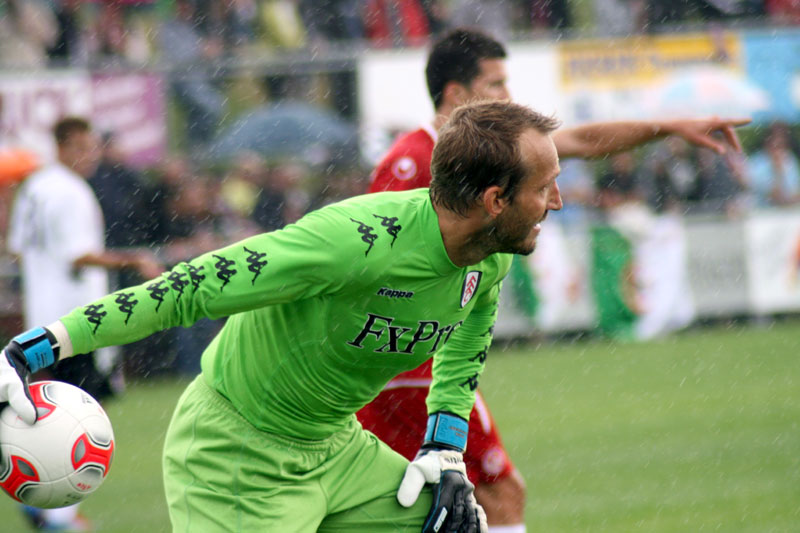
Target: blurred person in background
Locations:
point(786, 12)
point(576, 183)
point(183, 44)
point(639, 259)
point(233, 21)
point(155, 354)
point(466, 65)
point(550, 14)
point(720, 185)
point(119, 34)
point(191, 229)
point(239, 191)
point(332, 21)
point(125, 197)
point(496, 17)
point(339, 183)
point(774, 170)
point(27, 30)
point(613, 276)
point(57, 230)
point(673, 170)
point(396, 22)
point(281, 199)
point(620, 17)
point(70, 46)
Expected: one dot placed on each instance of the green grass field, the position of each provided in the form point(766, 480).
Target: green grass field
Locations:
point(698, 432)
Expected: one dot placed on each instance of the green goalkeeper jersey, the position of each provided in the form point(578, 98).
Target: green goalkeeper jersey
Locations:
point(322, 313)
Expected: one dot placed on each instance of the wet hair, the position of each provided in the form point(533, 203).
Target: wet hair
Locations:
point(65, 128)
point(478, 147)
point(456, 57)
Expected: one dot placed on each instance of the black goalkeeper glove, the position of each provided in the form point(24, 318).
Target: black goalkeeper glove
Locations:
point(24, 355)
point(440, 461)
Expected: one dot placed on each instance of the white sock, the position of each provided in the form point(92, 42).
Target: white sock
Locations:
point(516, 528)
point(62, 515)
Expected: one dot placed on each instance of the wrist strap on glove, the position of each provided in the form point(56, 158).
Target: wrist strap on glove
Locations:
point(446, 431)
point(36, 348)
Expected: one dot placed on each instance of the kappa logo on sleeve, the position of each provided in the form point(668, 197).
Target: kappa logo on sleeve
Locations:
point(255, 263)
point(194, 275)
point(126, 302)
point(392, 228)
point(179, 283)
point(481, 356)
point(157, 292)
point(224, 270)
point(94, 314)
point(366, 234)
point(470, 286)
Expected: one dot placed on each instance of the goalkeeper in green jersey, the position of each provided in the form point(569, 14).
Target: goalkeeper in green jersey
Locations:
point(322, 314)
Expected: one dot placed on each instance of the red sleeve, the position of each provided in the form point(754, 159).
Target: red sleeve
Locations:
point(406, 166)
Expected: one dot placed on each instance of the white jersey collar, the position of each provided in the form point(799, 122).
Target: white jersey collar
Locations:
point(429, 129)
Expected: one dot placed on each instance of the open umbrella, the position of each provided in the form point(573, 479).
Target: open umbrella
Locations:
point(707, 91)
point(289, 129)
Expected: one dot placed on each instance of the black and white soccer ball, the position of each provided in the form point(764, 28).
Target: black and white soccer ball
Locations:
point(64, 456)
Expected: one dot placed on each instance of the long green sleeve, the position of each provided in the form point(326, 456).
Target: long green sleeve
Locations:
point(321, 314)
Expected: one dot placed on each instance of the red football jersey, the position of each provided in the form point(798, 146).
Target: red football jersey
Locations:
point(407, 165)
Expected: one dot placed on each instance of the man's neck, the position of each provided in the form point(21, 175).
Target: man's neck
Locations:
point(458, 235)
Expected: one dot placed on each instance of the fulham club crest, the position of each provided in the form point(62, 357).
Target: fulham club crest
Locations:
point(470, 286)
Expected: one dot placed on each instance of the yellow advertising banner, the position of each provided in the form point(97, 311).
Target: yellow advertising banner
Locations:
point(636, 61)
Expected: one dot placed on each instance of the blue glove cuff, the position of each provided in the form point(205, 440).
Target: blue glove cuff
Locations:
point(37, 348)
point(447, 429)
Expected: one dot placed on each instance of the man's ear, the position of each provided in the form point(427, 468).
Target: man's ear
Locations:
point(493, 201)
point(455, 93)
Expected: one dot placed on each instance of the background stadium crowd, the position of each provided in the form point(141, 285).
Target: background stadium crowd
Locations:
point(57, 32)
point(188, 204)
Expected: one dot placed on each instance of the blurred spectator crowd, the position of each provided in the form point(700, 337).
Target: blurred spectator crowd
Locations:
point(671, 176)
point(180, 210)
point(37, 33)
point(188, 205)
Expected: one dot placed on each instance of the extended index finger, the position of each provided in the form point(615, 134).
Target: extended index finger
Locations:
point(736, 122)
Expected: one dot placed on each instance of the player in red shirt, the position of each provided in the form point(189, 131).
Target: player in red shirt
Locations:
point(465, 65)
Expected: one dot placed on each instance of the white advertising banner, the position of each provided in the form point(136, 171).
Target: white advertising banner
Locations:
point(633, 77)
point(133, 106)
point(772, 242)
point(663, 279)
point(32, 102)
point(717, 272)
point(561, 269)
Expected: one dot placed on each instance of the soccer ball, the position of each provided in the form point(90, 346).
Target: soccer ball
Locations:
point(64, 456)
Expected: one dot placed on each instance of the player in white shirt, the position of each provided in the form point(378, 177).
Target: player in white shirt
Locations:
point(57, 231)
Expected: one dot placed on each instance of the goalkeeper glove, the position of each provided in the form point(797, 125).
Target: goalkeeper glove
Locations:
point(440, 461)
point(24, 355)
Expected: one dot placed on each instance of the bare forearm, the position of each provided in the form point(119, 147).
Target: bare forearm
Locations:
point(604, 138)
point(601, 139)
point(140, 260)
point(113, 260)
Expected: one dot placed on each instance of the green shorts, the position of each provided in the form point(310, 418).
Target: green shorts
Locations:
point(222, 474)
